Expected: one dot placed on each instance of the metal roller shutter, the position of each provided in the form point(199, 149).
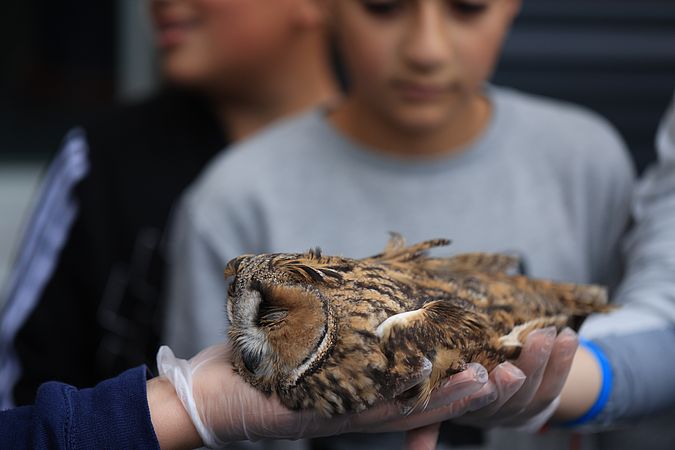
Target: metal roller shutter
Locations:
point(616, 57)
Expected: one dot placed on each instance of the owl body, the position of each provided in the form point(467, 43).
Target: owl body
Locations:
point(339, 335)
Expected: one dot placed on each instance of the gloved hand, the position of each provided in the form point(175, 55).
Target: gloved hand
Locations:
point(545, 361)
point(224, 408)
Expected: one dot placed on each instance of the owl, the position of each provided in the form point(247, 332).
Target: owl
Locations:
point(338, 335)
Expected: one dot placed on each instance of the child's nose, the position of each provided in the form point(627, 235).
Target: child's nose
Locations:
point(427, 44)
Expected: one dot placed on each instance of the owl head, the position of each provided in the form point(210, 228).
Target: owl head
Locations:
point(274, 300)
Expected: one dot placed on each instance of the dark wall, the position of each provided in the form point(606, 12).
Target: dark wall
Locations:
point(615, 56)
point(58, 64)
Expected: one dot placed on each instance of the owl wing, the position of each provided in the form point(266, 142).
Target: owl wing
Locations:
point(469, 264)
point(396, 251)
point(444, 334)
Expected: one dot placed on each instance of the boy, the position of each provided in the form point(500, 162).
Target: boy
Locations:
point(422, 146)
point(84, 299)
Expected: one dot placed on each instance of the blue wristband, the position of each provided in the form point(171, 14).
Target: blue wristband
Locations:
point(605, 389)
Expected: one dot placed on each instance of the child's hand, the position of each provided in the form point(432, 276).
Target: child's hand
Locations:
point(545, 361)
point(224, 408)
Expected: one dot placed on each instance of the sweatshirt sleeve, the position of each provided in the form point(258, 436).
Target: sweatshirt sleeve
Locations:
point(639, 338)
point(114, 414)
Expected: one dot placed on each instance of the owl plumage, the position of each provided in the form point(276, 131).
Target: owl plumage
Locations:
point(338, 334)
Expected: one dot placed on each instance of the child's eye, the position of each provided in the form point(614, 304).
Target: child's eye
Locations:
point(468, 9)
point(382, 7)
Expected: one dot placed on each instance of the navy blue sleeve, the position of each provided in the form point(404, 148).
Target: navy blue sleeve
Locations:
point(114, 414)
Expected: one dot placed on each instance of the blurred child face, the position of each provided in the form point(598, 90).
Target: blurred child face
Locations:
point(420, 63)
point(220, 44)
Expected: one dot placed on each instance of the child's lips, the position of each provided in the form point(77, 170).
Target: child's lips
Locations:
point(421, 91)
point(172, 32)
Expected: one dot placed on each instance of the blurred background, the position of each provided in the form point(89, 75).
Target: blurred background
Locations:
point(63, 61)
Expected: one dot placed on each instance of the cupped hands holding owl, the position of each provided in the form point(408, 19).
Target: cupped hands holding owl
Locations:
point(333, 398)
point(225, 409)
point(338, 335)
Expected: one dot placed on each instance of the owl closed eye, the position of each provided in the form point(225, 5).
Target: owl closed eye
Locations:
point(284, 326)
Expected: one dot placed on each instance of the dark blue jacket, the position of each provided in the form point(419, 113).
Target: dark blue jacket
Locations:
point(114, 414)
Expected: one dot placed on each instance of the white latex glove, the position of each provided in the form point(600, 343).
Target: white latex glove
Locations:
point(543, 365)
point(224, 408)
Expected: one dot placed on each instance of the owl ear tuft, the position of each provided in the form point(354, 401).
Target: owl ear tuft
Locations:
point(314, 253)
point(233, 266)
